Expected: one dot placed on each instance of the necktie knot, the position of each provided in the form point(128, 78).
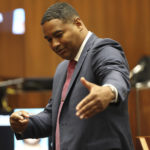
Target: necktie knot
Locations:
point(72, 64)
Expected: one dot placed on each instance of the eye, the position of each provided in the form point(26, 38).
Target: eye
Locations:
point(49, 39)
point(59, 35)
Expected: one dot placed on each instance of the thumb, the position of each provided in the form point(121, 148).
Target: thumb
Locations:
point(24, 114)
point(86, 83)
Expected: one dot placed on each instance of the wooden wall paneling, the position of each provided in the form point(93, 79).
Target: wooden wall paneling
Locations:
point(11, 58)
point(144, 100)
point(11, 46)
point(39, 58)
point(132, 113)
point(140, 31)
point(146, 26)
point(35, 62)
point(29, 99)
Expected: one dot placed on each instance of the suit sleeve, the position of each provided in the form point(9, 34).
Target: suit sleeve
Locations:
point(111, 67)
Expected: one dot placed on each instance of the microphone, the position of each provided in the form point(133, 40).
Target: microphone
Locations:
point(141, 72)
point(137, 69)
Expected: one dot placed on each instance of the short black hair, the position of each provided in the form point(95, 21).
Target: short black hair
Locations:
point(60, 10)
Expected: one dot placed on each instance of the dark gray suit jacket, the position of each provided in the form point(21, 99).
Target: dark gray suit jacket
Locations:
point(102, 62)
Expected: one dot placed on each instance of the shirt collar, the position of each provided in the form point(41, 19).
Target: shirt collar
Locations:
point(82, 46)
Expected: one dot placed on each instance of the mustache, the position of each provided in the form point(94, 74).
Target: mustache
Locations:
point(57, 49)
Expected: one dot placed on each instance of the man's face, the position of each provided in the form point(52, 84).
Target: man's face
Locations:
point(64, 38)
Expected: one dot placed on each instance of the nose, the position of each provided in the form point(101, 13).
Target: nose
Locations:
point(55, 44)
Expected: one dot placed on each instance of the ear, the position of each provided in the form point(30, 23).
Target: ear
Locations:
point(78, 22)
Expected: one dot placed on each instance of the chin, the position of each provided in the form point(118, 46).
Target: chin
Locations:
point(66, 57)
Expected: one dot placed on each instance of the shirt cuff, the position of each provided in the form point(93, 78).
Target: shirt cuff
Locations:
point(114, 90)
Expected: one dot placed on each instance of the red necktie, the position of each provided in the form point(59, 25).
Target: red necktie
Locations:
point(70, 71)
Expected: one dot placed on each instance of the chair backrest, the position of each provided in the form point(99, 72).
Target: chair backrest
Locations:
point(143, 143)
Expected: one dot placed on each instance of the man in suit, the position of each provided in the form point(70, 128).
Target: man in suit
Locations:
point(93, 112)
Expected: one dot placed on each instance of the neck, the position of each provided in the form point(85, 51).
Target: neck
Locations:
point(84, 33)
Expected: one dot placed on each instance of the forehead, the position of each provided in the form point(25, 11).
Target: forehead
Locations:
point(54, 25)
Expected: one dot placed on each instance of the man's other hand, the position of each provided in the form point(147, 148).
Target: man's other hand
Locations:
point(96, 101)
point(19, 121)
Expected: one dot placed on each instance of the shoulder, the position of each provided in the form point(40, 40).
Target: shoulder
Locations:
point(62, 65)
point(106, 50)
point(101, 43)
point(61, 68)
point(104, 45)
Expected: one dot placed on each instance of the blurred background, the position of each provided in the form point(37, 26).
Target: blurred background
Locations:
point(26, 56)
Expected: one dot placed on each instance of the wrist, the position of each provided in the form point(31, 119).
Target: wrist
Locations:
point(114, 92)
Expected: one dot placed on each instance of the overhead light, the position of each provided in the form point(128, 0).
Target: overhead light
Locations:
point(18, 24)
point(1, 18)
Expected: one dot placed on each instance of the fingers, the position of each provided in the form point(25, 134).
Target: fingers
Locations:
point(96, 101)
point(20, 127)
point(91, 112)
point(19, 116)
point(88, 107)
point(19, 121)
point(24, 114)
point(85, 101)
point(16, 116)
point(88, 110)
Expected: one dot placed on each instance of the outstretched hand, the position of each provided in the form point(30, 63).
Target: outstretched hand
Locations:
point(96, 101)
point(19, 121)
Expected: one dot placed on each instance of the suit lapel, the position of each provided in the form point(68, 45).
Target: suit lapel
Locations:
point(58, 91)
point(81, 61)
